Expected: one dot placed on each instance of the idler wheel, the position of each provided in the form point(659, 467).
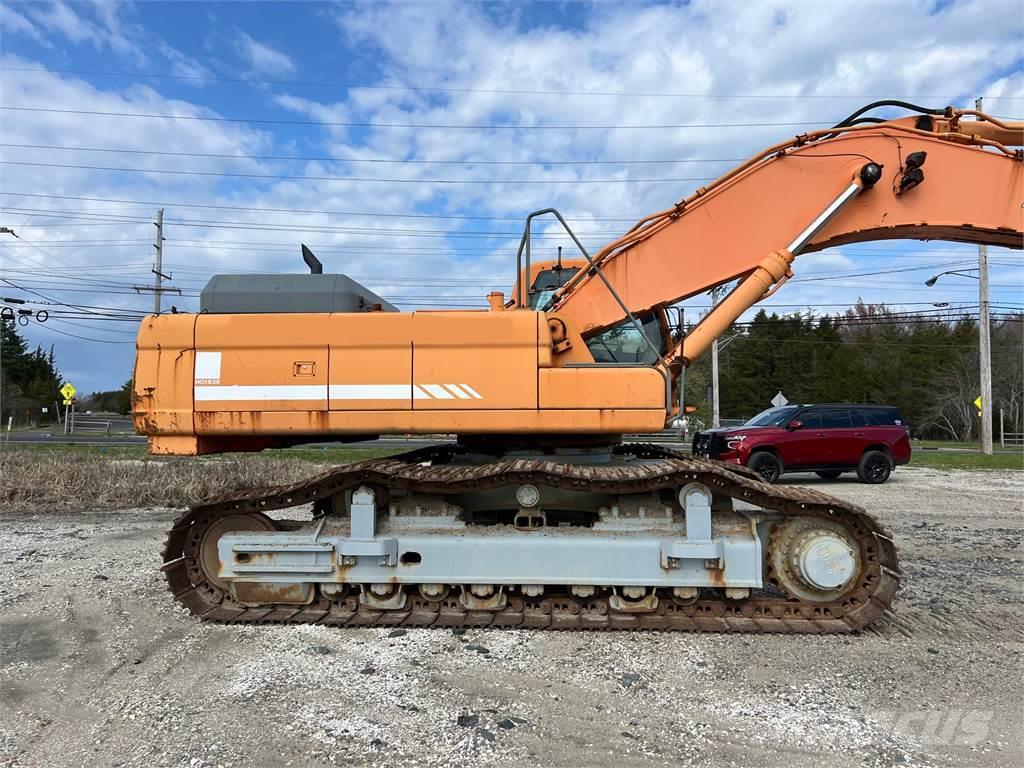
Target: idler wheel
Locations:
point(814, 559)
point(209, 558)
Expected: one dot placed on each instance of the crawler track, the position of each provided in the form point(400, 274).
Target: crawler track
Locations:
point(428, 471)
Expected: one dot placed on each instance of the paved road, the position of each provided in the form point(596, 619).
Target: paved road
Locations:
point(115, 441)
point(49, 438)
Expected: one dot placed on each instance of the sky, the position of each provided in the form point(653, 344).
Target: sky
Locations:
point(405, 143)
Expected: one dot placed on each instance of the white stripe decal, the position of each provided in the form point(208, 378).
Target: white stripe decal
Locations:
point(473, 392)
point(459, 392)
point(438, 392)
point(371, 392)
point(229, 393)
point(281, 392)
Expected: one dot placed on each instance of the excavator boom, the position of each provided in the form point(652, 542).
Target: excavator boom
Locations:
point(806, 195)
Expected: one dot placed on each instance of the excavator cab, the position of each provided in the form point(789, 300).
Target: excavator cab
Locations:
point(544, 279)
point(622, 343)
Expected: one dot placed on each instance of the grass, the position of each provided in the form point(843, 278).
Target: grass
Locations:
point(66, 479)
point(959, 444)
point(949, 460)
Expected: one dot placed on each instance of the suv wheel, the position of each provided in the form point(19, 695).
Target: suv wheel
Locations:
point(830, 474)
point(766, 464)
point(875, 467)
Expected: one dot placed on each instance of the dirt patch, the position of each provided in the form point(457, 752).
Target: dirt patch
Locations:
point(102, 668)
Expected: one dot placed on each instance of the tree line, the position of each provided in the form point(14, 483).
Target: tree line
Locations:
point(29, 379)
point(926, 364)
point(30, 382)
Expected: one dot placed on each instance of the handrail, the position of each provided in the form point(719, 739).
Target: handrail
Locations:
point(521, 277)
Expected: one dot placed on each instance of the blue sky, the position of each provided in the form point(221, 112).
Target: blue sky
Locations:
point(395, 224)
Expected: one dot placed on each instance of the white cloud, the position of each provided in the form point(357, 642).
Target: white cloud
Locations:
point(12, 21)
point(182, 65)
point(107, 31)
point(812, 52)
point(262, 58)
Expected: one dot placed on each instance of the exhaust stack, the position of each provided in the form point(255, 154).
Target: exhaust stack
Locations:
point(315, 267)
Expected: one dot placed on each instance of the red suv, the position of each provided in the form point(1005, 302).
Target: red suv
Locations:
point(825, 439)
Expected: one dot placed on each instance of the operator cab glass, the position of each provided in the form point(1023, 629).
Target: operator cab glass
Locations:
point(624, 344)
point(547, 282)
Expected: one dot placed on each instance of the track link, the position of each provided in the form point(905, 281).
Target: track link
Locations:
point(429, 471)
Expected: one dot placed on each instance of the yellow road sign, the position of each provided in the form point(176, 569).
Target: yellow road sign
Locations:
point(68, 391)
point(67, 402)
point(977, 403)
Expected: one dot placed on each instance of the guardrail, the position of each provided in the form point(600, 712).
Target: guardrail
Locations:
point(665, 436)
point(1012, 439)
point(91, 426)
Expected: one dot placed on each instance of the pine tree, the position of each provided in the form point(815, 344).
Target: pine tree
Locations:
point(29, 381)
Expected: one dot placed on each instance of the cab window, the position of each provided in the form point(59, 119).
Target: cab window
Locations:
point(624, 344)
point(548, 281)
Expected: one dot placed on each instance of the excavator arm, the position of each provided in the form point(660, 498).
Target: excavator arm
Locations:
point(925, 177)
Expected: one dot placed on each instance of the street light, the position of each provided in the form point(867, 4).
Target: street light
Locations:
point(984, 343)
point(965, 273)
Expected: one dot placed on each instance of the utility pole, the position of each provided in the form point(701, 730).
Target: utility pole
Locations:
point(158, 275)
point(984, 343)
point(715, 415)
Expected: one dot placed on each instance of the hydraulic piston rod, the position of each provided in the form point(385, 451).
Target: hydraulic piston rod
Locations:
point(774, 268)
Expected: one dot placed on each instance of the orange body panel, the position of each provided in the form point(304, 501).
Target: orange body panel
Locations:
point(259, 380)
point(163, 378)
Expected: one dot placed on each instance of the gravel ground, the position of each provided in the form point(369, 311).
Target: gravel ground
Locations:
point(99, 667)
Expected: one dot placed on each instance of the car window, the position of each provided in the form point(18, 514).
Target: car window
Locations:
point(773, 417)
point(811, 419)
point(857, 418)
point(883, 417)
point(835, 418)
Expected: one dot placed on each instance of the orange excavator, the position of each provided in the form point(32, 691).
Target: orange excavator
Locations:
point(539, 516)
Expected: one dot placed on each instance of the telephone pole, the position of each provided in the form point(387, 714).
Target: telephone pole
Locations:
point(158, 289)
point(158, 275)
point(984, 343)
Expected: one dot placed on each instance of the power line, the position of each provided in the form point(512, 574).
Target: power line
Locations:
point(456, 89)
point(330, 159)
point(32, 245)
point(373, 231)
point(488, 280)
point(369, 179)
point(89, 324)
point(444, 126)
point(260, 247)
point(83, 338)
point(289, 210)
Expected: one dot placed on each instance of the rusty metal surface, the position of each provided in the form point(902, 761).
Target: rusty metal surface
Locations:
point(426, 471)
